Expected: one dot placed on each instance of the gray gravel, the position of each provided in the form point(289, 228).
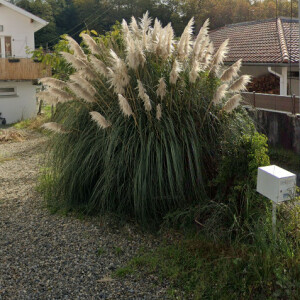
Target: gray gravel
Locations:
point(44, 256)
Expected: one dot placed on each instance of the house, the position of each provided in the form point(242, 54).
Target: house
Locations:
point(269, 49)
point(18, 72)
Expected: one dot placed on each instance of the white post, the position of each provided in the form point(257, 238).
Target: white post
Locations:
point(274, 217)
point(283, 81)
point(2, 46)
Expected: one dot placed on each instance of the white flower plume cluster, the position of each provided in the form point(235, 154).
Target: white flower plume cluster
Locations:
point(119, 72)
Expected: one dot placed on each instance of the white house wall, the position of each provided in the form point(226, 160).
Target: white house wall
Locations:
point(20, 107)
point(20, 28)
point(255, 71)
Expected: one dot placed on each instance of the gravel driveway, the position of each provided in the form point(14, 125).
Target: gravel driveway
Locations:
point(44, 256)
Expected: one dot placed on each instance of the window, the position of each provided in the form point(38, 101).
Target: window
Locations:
point(1, 28)
point(8, 91)
point(5, 46)
point(293, 74)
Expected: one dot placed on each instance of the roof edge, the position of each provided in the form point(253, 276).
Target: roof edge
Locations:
point(296, 20)
point(282, 42)
point(25, 13)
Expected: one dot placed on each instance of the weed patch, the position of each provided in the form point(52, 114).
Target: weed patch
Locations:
point(208, 270)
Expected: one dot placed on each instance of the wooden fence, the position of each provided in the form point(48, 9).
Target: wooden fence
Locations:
point(287, 104)
point(22, 69)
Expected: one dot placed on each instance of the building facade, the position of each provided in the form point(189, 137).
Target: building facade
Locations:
point(18, 72)
point(269, 48)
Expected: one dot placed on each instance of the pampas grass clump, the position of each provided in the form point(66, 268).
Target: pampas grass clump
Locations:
point(143, 120)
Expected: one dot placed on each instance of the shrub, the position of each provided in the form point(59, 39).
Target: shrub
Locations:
point(142, 121)
point(236, 206)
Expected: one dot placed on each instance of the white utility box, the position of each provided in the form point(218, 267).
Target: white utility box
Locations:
point(276, 183)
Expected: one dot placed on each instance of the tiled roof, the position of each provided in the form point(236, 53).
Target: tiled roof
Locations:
point(265, 41)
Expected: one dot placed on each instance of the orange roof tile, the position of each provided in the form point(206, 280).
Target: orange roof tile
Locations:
point(264, 41)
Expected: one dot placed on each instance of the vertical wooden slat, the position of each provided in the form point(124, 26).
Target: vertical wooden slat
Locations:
point(289, 104)
point(22, 69)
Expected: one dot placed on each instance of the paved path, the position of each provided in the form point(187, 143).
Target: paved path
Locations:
point(44, 256)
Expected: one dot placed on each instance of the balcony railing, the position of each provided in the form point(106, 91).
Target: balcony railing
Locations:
point(22, 69)
point(287, 104)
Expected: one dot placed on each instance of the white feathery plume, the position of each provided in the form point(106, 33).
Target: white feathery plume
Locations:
point(100, 120)
point(55, 127)
point(232, 103)
point(54, 95)
point(81, 92)
point(220, 94)
point(158, 112)
point(159, 45)
point(145, 22)
point(219, 56)
point(143, 95)
point(194, 73)
point(47, 97)
point(162, 40)
point(125, 28)
point(124, 106)
point(240, 84)
point(200, 38)
point(99, 66)
point(78, 52)
point(77, 78)
point(53, 82)
point(232, 71)
point(90, 42)
point(155, 33)
point(62, 96)
point(176, 69)
point(205, 48)
point(135, 55)
point(88, 74)
point(208, 56)
point(134, 27)
point(118, 75)
point(184, 45)
point(169, 40)
point(161, 88)
point(76, 63)
point(146, 41)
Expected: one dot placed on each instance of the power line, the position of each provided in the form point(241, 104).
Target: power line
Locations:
point(84, 22)
point(87, 24)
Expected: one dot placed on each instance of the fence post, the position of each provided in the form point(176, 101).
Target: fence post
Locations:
point(254, 104)
point(294, 104)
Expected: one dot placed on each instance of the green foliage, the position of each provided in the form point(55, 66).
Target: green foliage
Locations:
point(236, 206)
point(285, 158)
point(123, 272)
point(267, 268)
point(143, 166)
point(100, 251)
point(60, 68)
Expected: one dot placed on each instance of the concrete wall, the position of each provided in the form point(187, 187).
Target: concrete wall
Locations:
point(20, 106)
point(280, 128)
point(20, 28)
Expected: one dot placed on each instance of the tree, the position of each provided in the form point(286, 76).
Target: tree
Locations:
point(43, 10)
